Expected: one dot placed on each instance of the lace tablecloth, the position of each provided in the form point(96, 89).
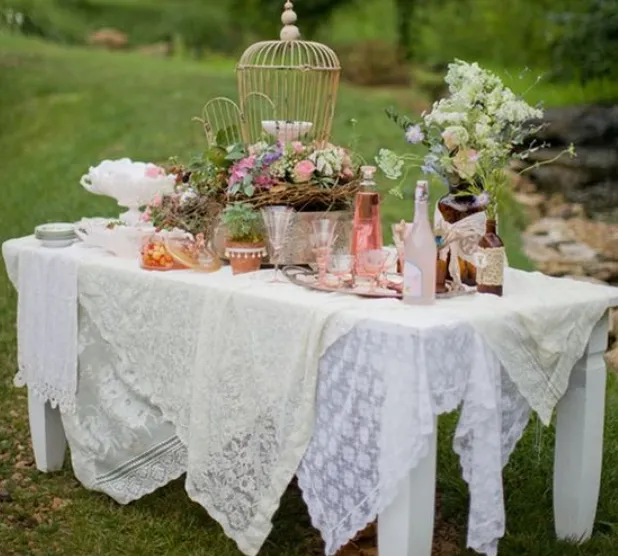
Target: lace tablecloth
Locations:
point(217, 376)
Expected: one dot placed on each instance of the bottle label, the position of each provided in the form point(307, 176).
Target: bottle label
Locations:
point(490, 264)
point(412, 280)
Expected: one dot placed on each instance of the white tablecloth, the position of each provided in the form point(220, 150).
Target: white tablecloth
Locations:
point(217, 376)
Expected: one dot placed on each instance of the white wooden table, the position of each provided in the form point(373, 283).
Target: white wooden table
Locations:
point(406, 527)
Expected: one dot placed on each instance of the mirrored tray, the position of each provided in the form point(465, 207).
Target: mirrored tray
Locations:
point(306, 278)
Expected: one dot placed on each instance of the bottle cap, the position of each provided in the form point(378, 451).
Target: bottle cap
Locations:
point(422, 191)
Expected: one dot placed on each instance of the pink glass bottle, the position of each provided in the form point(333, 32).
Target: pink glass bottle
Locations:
point(420, 254)
point(367, 226)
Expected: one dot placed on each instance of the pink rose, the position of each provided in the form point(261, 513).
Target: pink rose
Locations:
point(297, 147)
point(156, 201)
point(153, 171)
point(303, 171)
point(263, 181)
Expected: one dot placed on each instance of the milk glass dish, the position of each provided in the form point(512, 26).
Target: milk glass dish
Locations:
point(132, 184)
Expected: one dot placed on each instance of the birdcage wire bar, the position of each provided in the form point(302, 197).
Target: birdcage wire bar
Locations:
point(301, 78)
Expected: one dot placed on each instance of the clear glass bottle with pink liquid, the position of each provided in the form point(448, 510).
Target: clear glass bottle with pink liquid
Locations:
point(367, 225)
point(420, 253)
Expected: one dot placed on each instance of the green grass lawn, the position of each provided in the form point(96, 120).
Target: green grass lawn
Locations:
point(62, 110)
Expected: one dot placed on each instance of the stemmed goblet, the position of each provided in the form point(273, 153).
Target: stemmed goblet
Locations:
point(341, 265)
point(371, 265)
point(277, 220)
point(323, 238)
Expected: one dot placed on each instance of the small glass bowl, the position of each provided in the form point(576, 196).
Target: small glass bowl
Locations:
point(154, 255)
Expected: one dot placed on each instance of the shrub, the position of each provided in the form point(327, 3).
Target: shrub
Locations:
point(373, 63)
point(587, 48)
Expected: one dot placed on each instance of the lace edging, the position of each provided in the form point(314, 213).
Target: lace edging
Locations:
point(58, 399)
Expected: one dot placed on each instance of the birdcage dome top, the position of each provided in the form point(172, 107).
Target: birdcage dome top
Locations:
point(291, 51)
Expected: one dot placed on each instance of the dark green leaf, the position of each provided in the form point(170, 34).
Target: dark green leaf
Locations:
point(227, 136)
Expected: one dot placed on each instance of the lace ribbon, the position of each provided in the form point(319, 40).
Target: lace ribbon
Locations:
point(460, 240)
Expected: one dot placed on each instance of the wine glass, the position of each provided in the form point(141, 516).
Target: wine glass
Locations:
point(323, 238)
point(277, 220)
point(341, 265)
point(371, 265)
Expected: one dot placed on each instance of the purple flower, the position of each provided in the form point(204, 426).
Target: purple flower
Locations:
point(414, 134)
point(271, 157)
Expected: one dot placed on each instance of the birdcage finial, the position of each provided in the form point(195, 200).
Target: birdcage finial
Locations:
point(289, 32)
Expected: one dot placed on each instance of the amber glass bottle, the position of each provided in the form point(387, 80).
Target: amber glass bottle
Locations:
point(456, 205)
point(491, 274)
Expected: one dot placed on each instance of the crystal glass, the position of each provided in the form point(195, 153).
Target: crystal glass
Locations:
point(341, 265)
point(277, 220)
point(323, 237)
point(371, 264)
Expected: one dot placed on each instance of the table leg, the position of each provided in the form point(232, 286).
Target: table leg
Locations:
point(405, 528)
point(579, 442)
point(47, 433)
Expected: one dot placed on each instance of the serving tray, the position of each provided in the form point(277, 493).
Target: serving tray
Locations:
point(302, 276)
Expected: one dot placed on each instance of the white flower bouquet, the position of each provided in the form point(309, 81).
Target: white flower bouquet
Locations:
point(471, 135)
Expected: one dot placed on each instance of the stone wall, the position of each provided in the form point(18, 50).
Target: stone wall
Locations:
point(591, 178)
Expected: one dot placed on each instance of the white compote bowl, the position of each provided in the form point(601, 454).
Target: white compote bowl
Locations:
point(132, 184)
point(286, 131)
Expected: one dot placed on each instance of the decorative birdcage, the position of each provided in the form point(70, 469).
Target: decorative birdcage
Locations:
point(288, 88)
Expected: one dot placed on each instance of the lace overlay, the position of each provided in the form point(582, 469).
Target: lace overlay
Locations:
point(379, 390)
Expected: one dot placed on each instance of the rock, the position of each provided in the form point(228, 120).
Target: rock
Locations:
point(532, 203)
point(591, 177)
point(576, 246)
point(5, 496)
point(108, 38)
point(588, 124)
point(588, 279)
point(550, 231)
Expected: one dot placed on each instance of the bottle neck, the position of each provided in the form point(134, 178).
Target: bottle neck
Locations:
point(490, 226)
point(421, 213)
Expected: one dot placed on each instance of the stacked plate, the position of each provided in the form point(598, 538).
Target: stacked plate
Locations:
point(57, 234)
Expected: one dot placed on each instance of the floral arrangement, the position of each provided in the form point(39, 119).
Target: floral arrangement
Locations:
point(472, 135)
point(307, 177)
point(304, 176)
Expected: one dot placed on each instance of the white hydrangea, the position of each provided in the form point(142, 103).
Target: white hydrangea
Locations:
point(390, 163)
point(328, 162)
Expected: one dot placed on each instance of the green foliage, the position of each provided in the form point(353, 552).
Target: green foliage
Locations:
point(372, 63)
point(262, 17)
point(588, 45)
point(243, 223)
point(50, 19)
